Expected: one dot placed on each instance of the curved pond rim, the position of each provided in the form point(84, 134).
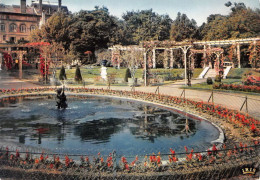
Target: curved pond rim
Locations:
point(218, 142)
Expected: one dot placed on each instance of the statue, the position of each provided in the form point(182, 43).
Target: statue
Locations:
point(61, 102)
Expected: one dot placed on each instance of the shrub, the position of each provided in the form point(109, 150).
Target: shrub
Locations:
point(218, 78)
point(209, 80)
point(62, 74)
point(78, 77)
point(127, 74)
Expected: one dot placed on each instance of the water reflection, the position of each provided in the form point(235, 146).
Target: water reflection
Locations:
point(92, 123)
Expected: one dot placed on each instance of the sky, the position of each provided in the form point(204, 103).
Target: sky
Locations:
point(194, 9)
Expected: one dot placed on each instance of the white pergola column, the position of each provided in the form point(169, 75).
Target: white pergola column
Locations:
point(185, 50)
point(1, 60)
point(118, 60)
point(171, 60)
point(238, 56)
point(145, 69)
point(204, 56)
point(154, 58)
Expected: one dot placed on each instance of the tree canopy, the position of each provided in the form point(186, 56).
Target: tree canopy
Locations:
point(146, 25)
point(242, 22)
point(183, 28)
point(96, 29)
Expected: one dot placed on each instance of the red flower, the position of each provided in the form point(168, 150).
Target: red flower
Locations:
point(214, 148)
point(253, 128)
point(17, 155)
point(186, 149)
point(172, 151)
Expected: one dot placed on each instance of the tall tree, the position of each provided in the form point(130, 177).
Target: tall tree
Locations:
point(146, 25)
point(91, 30)
point(242, 22)
point(183, 28)
point(55, 30)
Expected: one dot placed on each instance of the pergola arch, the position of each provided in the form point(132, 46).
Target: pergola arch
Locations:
point(203, 47)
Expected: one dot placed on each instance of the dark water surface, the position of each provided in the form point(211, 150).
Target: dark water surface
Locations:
point(93, 124)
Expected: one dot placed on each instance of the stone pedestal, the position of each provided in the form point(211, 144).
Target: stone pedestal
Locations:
point(104, 73)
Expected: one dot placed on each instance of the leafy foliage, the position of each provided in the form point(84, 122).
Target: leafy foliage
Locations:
point(91, 30)
point(127, 74)
point(209, 80)
point(62, 74)
point(146, 25)
point(78, 77)
point(254, 55)
point(241, 23)
point(218, 78)
point(183, 28)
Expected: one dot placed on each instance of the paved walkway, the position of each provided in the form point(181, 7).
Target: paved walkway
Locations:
point(231, 100)
point(9, 82)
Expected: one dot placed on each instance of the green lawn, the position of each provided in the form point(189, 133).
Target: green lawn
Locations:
point(241, 73)
point(120, 73)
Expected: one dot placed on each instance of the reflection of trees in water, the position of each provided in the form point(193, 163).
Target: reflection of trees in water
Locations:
point(153, 123)
point(100, 130)
point(156, 122)
point(149, 123)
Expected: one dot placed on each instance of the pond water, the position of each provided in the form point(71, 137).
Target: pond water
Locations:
point(96, 124)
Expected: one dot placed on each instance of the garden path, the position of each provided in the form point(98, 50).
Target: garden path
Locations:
point(231, 100)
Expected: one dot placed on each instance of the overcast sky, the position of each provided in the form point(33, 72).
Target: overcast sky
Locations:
point(196, 9)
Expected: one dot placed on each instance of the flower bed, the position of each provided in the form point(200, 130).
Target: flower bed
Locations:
point(237, 87)
point(149, 163)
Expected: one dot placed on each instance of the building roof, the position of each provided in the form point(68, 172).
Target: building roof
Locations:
point(15, 9)
point(33, 9)
point(50, 8)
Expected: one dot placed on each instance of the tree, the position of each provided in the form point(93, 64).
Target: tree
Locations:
point(183, 28)
point(62, 74)
point(103, 54)
point(242, 22)
point(55, 30)
point(145, 25)
point(217, 28)
point(78, 77)
point(91, 30)
point(133, 59)
point(127, 74)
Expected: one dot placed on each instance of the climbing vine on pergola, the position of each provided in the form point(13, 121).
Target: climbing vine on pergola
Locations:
point(209, 52)
point(254, 54)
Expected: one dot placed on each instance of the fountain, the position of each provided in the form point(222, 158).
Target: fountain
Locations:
point(61, 98)
point(129, 127)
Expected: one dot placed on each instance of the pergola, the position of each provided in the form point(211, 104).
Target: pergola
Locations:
point(197, 47)
point(204, 47)
point(20, 51)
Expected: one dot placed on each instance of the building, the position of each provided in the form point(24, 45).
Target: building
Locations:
point(18, 21)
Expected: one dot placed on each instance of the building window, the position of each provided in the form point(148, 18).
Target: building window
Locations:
point(12, 28)
point(22, 28)
point(4, 37)
point(2, 27)
point(33, 27)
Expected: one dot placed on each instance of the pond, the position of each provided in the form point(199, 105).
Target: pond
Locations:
point(93, 124)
